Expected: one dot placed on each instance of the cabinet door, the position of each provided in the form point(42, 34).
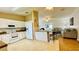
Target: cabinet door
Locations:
point(6, 38)
point(23, 35)
point(3, 38)
point(3, 23)
point(19, 35)
point(0, 38)
point(19, 24)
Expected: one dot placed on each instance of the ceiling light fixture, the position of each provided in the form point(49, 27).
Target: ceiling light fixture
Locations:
point(47, 18)
point(49, 8)
point(26, 12)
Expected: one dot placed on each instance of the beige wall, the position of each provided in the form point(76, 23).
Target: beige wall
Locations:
point(16, 17)
point(35, 20)
point(12, 16)
point(28, 17)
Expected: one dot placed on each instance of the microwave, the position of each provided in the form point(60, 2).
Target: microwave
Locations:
point(11, 25)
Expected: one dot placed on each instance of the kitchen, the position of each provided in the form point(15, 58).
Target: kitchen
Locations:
point(27, 28)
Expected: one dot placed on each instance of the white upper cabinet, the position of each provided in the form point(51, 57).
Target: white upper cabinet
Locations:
point(19, 24)
point(5, 22)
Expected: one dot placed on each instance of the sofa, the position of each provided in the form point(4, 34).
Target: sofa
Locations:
point(71, 33)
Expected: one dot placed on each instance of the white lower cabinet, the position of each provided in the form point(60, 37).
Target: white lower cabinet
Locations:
point(0, 38)
point(21, 35)
point(42, 36)
point(8, 39)
point(24, 34)
point(5, 38)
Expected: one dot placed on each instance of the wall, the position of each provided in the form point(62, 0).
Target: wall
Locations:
point(61, 22)
point(35, 20)
point(41, 22)
point(12, 16)
point(28, 17)
point(76, 18)
point(56, 22)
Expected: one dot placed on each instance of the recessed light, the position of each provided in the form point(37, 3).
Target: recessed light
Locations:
point(26, 12)
point(47, 18)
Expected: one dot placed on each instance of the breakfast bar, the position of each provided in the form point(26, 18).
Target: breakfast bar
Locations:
point(42, 36)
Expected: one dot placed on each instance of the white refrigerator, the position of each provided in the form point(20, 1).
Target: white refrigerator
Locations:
point(29, 30)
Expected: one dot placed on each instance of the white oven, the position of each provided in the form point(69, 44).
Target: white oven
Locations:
point(12, 32)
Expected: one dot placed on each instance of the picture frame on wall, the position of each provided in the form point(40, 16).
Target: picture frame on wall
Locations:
point(71, 21)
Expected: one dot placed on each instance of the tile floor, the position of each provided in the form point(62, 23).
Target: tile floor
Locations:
point(33, 45)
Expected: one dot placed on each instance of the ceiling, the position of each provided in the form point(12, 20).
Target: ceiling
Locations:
point(54, 12)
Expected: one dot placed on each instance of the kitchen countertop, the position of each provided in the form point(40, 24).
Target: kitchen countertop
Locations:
point(2, 44)
point(20, 31)
point(43, 31)
point(3, 33)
